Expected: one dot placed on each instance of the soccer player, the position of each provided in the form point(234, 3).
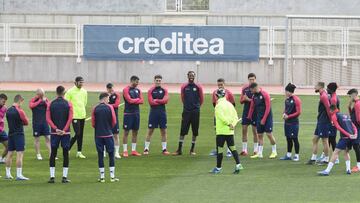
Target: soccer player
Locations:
point(16, 119)
point(59, 115)
point(103, 119)
point(229, 97)
point(38, 105)
point(114, 101)
point(192, 97)
point(354, 109)
point(291, 125)
point(348, 133)
point(77, 95)
point(3, 136)
point(158, 97)
point(133, 98)
point(334, 100)
point(264, 122)
point(245, 99)
point(226, 120)
point(323, 125)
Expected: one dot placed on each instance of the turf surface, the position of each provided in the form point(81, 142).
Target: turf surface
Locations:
point(157, 178)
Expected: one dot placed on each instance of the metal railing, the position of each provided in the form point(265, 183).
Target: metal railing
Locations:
point(67, 40)
point(187, 5)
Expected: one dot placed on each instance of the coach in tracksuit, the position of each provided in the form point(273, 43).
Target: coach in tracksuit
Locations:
point(16, 119)
point(192, 97)
point(59, 115)
point(103, 119)
point(77, 95)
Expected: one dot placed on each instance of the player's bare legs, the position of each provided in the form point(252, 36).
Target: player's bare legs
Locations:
point(117, 144)
point(134, 135)
point(271, 137)
point(5, 152)
point(192, 150)
point(315, 142)
point(256, 139)
point(47, 143)
point(149, 134)
point(125, 141)
point(8, 163)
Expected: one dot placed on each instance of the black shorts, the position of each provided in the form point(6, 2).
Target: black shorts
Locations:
point(221, 139)
point(190, 118)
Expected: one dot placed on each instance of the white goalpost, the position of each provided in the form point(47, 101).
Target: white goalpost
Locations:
point(322, 48)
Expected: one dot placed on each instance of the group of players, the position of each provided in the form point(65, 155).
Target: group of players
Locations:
point(69, 107)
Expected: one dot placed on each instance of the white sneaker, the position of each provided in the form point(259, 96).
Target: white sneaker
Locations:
point(80, 155)
point(2, 160)
point(9, 177)
point(296, 158)
point(39, 157)
point(22, 178)
point(117, 156)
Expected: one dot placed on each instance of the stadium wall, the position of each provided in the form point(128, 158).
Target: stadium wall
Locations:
point(64, 68)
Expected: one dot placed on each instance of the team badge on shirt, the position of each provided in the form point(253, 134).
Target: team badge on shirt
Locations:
point(194, 89)
point(137, 91)
point(160, 91)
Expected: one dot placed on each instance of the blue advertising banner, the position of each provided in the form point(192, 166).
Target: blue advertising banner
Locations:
point(203, 43)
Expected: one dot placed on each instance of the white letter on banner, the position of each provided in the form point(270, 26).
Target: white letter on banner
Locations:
point(172, 41)
point(200, 46)
point(216, 43)
point(151, 45)
point(188, 41)
point(137, 42)
point(121, 45)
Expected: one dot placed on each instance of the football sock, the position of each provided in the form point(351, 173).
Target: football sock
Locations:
point(180, 145)
point(313, 157)
point(117, 147)
point(102, 173)
point(65, 172)
point(147, 145)
point(244, 146)
point(125, 147)
point(256, 147)
point(52, 172)
point(329, 167)
point(19, 172)
point(133, 146)
point(192, 146)
point(8, 171)
point(112, 172)
point(164, 145)
point(273, 147)
point(347, 163)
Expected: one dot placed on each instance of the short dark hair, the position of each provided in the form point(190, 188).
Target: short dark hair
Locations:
point(321, 84)
point(134, 77)
point(103, 95)
point(79, 78)
point(221, 80)
point(3, 96)
point(352, 91)
point(251, 75)
point(253, 85)
point(158, 76)
point(18, 98)
point(109, 85)
point(60, 90)
point(191, 71)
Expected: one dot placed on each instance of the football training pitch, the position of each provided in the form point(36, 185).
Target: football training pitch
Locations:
point(158, 178)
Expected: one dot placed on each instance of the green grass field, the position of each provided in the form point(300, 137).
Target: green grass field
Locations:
point(157, 178)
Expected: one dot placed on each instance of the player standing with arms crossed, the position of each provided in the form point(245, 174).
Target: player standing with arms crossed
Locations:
point(291, 122)
point(114, 101)
point(103, 119)
point(16, 119)
point(192, 97)
point(3, 136)
point(59, 115)
point(77, 95)
point(38, 105)
point(133, 98)
point(245, 99)
point(158, 97)
point(261, 103)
